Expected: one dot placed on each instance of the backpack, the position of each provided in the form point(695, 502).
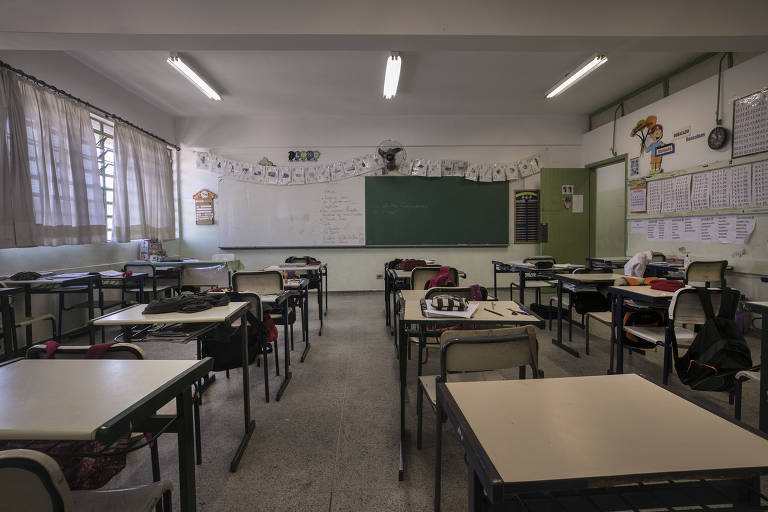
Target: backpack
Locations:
point(443, 278)
point(394, 264)
point(642, 318)
point(719, 350)
point(224, 346)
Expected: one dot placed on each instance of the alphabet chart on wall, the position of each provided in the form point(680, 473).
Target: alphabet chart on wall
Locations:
point(750, 124)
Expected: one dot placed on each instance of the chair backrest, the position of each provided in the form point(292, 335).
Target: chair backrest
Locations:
point(214, 276)
point(224, 256)
point(541, 261)
point(463, 292)
point(488, 349)
point(420, 276)
point(116, 351)
point(32, 481)
point(658, 257)
point(258, 281)
point(706, 273)
point(254, 304)
point(686, 308)
point(140, 268)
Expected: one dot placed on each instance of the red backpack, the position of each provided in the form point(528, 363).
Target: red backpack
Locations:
point(408, 265)
point(443, 278)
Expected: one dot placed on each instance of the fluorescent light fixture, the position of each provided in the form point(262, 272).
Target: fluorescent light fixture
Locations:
point(392, 76)
point(180, 66)
point(571, 78)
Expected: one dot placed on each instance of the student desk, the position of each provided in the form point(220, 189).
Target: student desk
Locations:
point(528, 272)
point(762, 308)
point(412, 315)
point(65, 283)
point(322, 270)
point(607, 262)
point(577, 280)
point(646, 295)
point(78, 400)
point(208, 319)
point(574, 434)
point(664, 269)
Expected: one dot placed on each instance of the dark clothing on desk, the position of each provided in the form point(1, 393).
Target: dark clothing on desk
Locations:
point(185, 304)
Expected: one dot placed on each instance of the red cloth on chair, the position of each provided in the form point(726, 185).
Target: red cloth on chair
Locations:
point(667, 285)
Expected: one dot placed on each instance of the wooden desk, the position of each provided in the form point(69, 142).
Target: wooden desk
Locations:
point(762, 308)
point(645, 294)
point(79, 400)
point(597, 279)
point(412, 315)
point(226, 315)
point(322, 270)
point(546, 435)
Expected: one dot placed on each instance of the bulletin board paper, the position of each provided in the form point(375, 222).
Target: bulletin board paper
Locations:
point(700, 191)
point(654, 196)
point(683, 193)
point(720, 188)
point(741, 185)
point(637, 198)
point(750, 124)
point(760, 183)
point(668, 199)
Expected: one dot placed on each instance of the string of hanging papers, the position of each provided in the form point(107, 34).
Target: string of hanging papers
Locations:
point(371, 164)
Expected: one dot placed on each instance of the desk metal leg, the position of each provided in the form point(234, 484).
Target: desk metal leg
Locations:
point(305, 321)
point(326, 290)
point(186, 447)
point(250, 425)
point(401, 341)
point(559, 341)
point(474, 492)
point(320, 302)
point(91, 334)
point(438, 454)
point(9, 330)
point(763, 423)
point(619, 334)
point(28, 314)
point(495, 291)
point(287, 352)
point(522, 288)
point(386, 298)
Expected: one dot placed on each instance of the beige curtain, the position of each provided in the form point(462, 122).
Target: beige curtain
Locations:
point(143, 200)
point(63, 169)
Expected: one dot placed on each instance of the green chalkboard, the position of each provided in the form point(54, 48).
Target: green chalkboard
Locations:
point(435, 211)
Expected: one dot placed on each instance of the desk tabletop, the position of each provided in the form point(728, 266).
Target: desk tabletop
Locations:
point(644, 290)
point(759, 306)
point(603, 277)
point(134, 316)
point(600, 427)
point(413, 313)
point(53, 280)
point(301, 268)
point(70, 399)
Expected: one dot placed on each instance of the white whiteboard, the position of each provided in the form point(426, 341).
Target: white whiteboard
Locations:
point(318, 215)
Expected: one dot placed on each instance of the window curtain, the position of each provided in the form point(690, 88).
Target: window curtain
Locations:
point(63, 170)
point(143, 200)
point(17, 215)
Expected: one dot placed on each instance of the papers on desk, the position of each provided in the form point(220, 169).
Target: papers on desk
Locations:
point(71, 275)
point(111, 273)
point(430, 312)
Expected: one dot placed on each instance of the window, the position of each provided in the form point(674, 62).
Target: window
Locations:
point(104, 131)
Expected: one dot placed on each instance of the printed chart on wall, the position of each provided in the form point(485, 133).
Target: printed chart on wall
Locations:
point(750, 124)
point(743, 187)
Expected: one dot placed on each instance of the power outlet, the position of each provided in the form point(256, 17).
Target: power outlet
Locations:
point(379, 276)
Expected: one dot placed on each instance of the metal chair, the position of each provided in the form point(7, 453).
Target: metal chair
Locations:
point(216, 276)
point(706, 273)
point(254, 317)
point(161, 282)
point(265, 282)
point(540, 262)
point(32, 481)
point(470, 355)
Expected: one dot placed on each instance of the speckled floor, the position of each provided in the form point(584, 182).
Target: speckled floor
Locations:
point(331, 443)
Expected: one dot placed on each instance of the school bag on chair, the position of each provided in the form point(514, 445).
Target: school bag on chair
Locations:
point(719, 350)
point(443, 278)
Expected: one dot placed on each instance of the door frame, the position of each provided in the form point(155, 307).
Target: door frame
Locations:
point(592, 168)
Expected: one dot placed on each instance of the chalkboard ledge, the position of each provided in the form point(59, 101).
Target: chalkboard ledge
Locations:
point(453, 246)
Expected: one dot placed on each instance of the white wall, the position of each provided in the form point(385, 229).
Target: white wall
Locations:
point(478, 138)
point(694, 106)
point(66, 73)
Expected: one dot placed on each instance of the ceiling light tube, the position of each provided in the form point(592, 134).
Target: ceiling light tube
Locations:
point(571, 78)
point(392, 76)
point(180, 66)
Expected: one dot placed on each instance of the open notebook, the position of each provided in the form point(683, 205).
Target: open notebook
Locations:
point(430, 312)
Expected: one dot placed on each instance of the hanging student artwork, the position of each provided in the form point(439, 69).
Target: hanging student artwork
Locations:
point(649, 128)
point(303, 155)
point(265, 171)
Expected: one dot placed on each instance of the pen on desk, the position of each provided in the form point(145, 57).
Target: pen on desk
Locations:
point(525, 311)
point(514, 312)
point(492, 311)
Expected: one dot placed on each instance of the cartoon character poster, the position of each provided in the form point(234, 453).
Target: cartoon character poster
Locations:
point(651, 134)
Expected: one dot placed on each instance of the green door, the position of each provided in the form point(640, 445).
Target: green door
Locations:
point(567, 227)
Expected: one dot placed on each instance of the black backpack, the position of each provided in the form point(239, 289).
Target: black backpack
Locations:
point(719, 350)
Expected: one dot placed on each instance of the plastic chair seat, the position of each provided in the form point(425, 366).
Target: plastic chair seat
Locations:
point(533, 284)
point(141, 498)
point(604, 317)
point(748, 375)
point(148, 289)
point(656, 334)
point(431, 341)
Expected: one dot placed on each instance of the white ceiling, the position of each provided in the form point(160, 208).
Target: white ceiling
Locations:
point(296, 83)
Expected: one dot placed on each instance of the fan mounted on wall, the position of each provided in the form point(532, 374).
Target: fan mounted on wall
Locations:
point(393, 153)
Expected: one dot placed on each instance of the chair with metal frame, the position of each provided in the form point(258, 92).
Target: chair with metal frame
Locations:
point(210, 276)
point(265, 282)
point(9, 340)
point(420, 276)
point(568, 299)
point(33, 481)
point(123, 351)
point(254, 317)
point(160, 284)
point(474, 354)
point(706, 273)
